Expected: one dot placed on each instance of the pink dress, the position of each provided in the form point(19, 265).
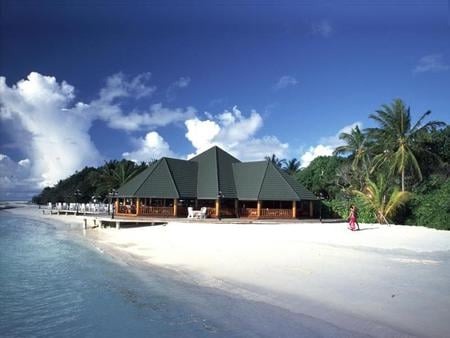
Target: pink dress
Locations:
point(352, 221)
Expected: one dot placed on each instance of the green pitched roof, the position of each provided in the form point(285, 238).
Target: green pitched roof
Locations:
point(204, 175)
point(264, 181)
point(167, 178)
point(248, 178)
point(129, 188)
point(215, 173)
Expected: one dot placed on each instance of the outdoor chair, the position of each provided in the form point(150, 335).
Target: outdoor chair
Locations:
point(190, 212)
point(203, 212)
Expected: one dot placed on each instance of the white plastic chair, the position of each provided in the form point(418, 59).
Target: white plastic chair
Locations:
point(190, 212)
point(203, 212)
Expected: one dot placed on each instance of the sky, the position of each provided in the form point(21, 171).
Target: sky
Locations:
point(85, 82)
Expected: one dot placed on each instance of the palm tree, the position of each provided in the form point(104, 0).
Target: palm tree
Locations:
point(292, 166)
point(357, 145)
point(397, 138)
point(377, 197)
point(115, 173)
point(280, 163)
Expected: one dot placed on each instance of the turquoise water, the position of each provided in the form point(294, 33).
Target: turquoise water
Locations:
point(53, 283)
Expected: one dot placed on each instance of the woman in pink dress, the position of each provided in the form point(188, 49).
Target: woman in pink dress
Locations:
point(352, 218)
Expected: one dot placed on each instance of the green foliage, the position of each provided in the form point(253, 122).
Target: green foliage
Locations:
point(430, 205)
point(320, 175)
point(91, 182)
point(397, 138)
point(380, 197)
point(341, 207)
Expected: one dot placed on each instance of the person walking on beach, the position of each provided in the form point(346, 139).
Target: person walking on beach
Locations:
point(355, 213)
point(352, 218)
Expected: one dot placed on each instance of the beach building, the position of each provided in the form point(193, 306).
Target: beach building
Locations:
point(217, 182)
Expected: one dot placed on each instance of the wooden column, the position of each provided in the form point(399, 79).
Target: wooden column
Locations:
point(196, 204)
point(258, 209)
point(217, 207)
point(294, 209)
point(311, 209)
point(116, 206)
point(175, 202)
point(138, 206)
point(236, 207)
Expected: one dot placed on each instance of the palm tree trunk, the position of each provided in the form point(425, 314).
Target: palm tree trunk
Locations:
point(403, 179)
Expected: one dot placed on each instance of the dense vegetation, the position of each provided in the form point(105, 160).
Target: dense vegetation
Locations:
point(396, 172)
point(91, 183)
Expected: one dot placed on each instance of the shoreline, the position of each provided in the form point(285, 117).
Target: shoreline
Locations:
point(312, 277)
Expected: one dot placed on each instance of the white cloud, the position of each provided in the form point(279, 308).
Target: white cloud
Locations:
point(326, 145)
point(156, 116)
point(182, 82)
point(235, 133)
point(285, 81)
point(152, 146)
point(431, 63)
point(59, 142)
point(108, 106)
point(322, 28)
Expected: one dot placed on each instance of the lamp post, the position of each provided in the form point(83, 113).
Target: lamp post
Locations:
point(219, 198)
point(321, 198)
point(112, 195)
point(77, 193)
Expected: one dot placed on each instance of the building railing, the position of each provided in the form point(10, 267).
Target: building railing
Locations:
point(156, 211)
point(249, 212)
point(276, 213)
point(126, 210)
point(266, 213)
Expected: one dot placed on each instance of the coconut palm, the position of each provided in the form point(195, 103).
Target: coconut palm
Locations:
point(397, 138)
point(378, 197)
point(280, 163)
point(115, 173)
point(292, 166)
point(357, 145)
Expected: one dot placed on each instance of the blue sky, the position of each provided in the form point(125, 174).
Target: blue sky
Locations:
point(90, 81)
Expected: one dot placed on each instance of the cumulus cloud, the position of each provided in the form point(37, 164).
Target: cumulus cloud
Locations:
point(58, 142)
point(152, 146)
point(326, 145)
point(285, 81)
point(108, 106)
point(322, 28)
point(235, 133)
point(182, 82)
point(433, 63)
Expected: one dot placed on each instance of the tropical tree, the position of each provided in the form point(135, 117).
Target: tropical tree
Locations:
point(280, 163)
point(357, 145)
point(396, 138)
point(380, 198)
point(115, 173)
point(292, 166)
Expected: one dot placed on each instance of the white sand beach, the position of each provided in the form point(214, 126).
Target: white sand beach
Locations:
point(382, 281)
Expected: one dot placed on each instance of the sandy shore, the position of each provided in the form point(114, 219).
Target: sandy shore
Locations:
point(383, 281)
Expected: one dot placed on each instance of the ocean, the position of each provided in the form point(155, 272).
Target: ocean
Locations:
point(55, 283)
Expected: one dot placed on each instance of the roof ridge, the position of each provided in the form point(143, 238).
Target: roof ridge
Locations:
point(284, 178)
point(171, 177)
point(154, 167)
point(262, 181)
point(217, 169)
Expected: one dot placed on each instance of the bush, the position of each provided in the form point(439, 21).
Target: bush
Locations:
point(342, 208)
point(431, 208)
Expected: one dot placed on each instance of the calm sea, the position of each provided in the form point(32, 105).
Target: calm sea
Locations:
point(53, 283)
